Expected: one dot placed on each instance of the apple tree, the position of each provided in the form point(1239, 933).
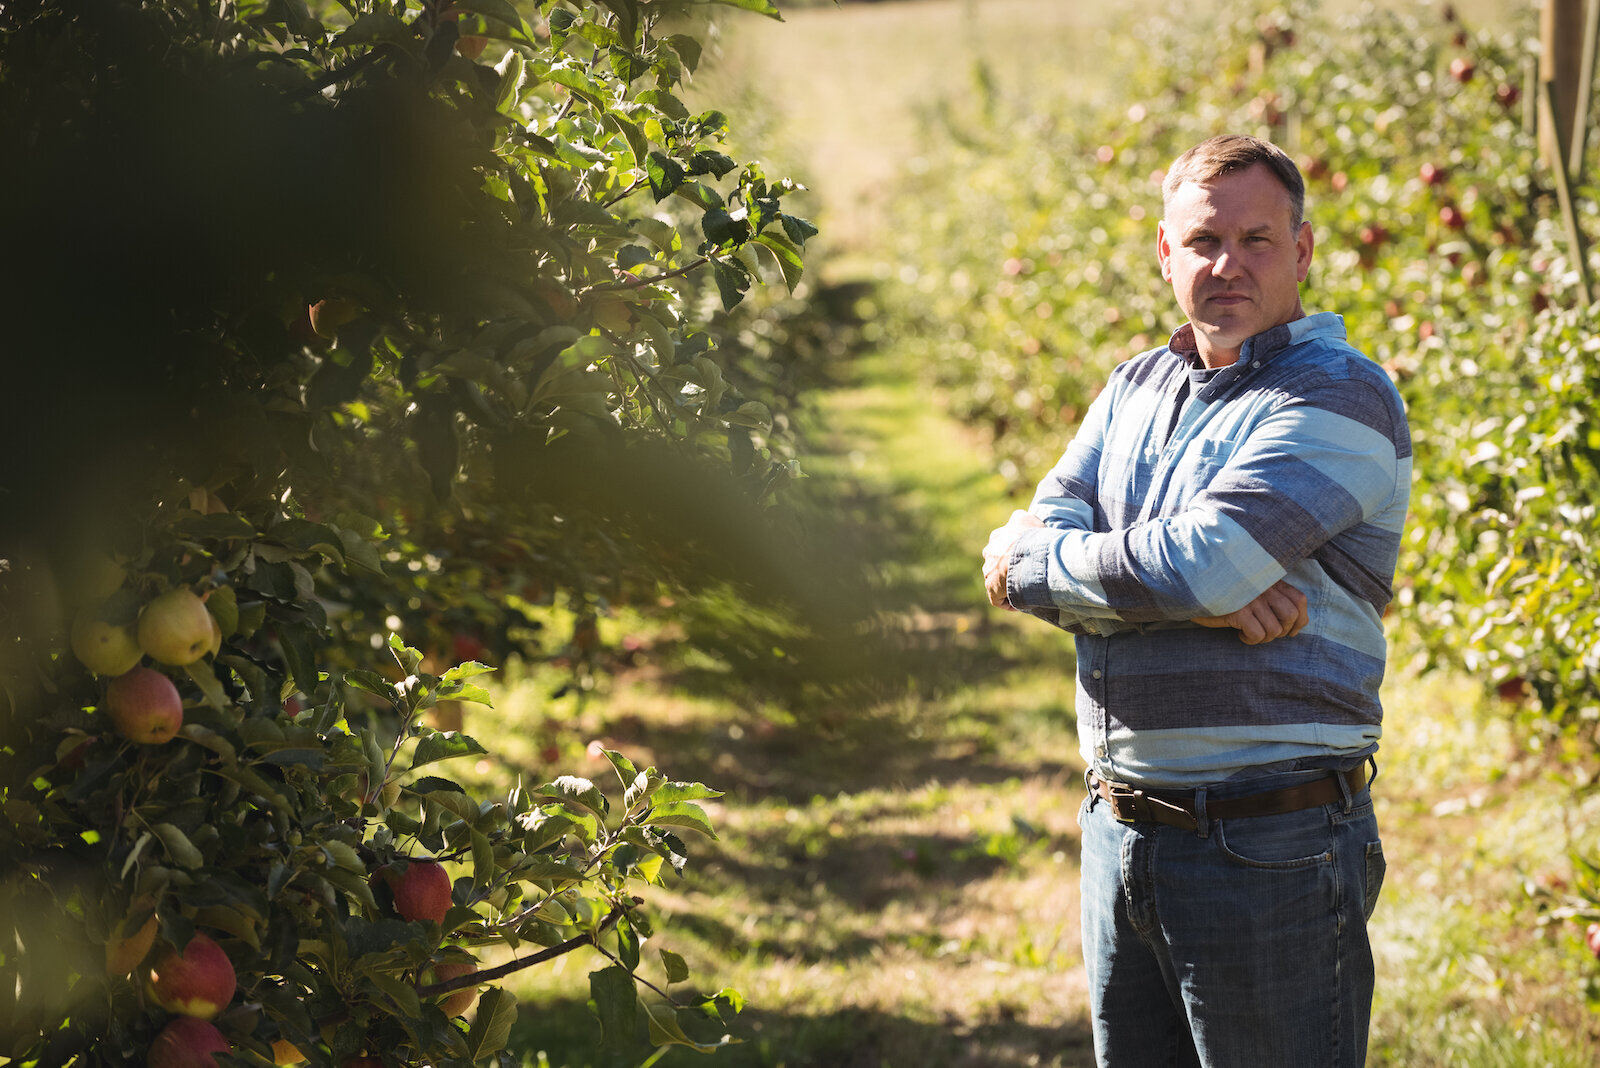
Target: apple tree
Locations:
point(331, 319)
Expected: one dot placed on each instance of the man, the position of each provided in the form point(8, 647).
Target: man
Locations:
point(1221, 536)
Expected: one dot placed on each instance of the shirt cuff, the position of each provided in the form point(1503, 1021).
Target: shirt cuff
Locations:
point(1028, 570)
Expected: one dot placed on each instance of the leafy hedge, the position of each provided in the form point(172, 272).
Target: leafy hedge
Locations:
point(1439, 240)
point(379, 329)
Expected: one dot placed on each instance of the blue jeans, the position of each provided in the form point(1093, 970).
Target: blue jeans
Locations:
point(1240, 945)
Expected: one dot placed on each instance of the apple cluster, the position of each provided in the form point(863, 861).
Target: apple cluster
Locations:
point(174, 628)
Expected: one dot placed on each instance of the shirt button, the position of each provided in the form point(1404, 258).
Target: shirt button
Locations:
point(1096, 673)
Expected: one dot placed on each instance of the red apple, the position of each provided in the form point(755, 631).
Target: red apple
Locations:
point(1462, 69)
point(198, 982)
point(421, 891)
point(457, 1001)
point(1451, 216)
point(1433, 174)
point(144, 706)
point(187, 1042)
point(1591, 938)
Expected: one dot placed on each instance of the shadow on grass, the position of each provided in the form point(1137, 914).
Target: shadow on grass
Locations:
point(855, 1038)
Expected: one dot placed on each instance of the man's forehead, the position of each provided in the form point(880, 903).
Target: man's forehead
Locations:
point(1242, 199)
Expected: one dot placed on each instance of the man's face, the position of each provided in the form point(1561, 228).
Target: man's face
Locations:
point(1234, 261)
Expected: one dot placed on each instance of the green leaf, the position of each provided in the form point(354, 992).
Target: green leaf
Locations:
point(615, 1002)
point(666, 1031)
point(299, 654)
point(223, 604)
point(491, 1028)
point(457, 804)
point(688, 49)
point(461, 691)
point(223, 526)
point(443, 745)
point(788, 256)
point(799, 230)
point(402, 994)
point(670, 792)
point(680, 814)
point(202, 735)
point(574, 790)
point(732, 282)
point(471, 669)
point(179, 848)
point(665, 174)
point(376, 27)
point(627, 944)
point(252, 780)
point(203, 676)
point(721, 228)
point(677, 969)
point(372, 683)
point(514, 71)
point(760, 7)
point(408, 658)
point(625, 769)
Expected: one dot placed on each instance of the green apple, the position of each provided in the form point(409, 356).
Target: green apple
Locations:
point(175, 627)
point(104, 648)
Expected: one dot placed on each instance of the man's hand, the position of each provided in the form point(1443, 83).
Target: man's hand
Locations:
point(1280, 612)
point(997, 555)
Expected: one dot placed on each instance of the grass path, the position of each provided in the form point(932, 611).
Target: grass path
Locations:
point(897, 887)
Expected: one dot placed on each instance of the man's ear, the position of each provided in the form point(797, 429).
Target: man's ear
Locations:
point(1304, 243)
point(1164, 252)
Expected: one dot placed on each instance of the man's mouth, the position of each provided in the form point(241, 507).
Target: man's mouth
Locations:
point(1228, 299)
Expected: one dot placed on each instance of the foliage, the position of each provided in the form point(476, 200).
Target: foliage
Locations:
point(356, 319)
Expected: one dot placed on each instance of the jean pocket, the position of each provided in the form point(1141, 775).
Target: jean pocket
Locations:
point(1288, 840)
point(1376, 867)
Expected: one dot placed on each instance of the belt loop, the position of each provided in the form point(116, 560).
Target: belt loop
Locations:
point(1202, 826)
point(1344, 791)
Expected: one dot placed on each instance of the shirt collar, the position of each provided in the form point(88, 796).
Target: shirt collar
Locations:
point(1267, 344)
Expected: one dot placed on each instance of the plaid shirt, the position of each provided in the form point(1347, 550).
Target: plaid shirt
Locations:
point(1187, 494)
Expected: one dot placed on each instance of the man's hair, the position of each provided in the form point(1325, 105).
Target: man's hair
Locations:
point(1210, 160)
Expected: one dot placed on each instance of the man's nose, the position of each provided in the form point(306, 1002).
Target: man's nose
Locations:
point(1227, 264)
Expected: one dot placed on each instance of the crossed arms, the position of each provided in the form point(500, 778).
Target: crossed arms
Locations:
point(1277, 612)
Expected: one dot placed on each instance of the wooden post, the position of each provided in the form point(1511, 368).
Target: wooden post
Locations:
point(1578, 143)
point(1577, 247)
point(1561, 26)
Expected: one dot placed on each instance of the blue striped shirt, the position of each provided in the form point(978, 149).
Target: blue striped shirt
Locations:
point(1293, 463)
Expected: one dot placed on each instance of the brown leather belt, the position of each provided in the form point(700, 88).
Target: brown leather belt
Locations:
point(1176, 808)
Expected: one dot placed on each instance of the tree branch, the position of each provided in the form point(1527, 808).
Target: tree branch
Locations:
point(490, 975)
